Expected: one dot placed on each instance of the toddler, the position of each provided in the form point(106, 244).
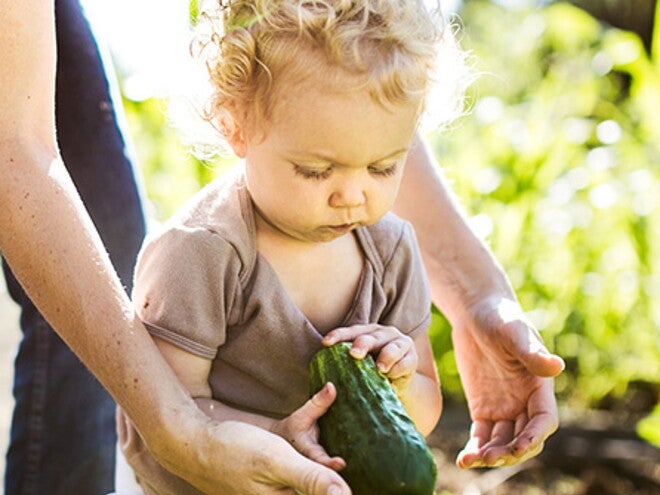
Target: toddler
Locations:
point(296, 250)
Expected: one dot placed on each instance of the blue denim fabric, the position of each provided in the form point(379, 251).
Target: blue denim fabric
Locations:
point(63, 430)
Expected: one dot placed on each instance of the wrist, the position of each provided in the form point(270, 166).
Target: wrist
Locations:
point(177, 436)
point(461, 289)
point(495, 310)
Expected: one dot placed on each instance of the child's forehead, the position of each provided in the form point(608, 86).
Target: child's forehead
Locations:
point(339, 125)
point(331, 103)
point(321, 96)
point(306, 83)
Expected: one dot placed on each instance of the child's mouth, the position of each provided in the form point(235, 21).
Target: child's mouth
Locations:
point(347, 227)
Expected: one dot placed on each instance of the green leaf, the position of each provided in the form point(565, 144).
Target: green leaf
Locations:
point(649, 427)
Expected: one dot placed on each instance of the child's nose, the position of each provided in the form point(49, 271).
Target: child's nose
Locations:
point(348, 195)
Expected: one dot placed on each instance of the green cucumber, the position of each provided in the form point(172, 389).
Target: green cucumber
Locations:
point(369, 428)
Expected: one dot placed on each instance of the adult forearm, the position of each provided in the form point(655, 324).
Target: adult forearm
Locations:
point(53, 249)
point(55, 252)
point(461, 268)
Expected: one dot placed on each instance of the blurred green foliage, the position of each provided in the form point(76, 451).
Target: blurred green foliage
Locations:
point(171, 172)
point(649, 427)
point(558, 165)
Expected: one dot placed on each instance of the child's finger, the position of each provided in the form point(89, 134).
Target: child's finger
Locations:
point(375, 341)
point(365, 338)
point(396, 358)
point(315, 407)
point(319, 403)
point(343, 334)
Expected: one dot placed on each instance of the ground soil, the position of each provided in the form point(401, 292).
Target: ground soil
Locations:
point(587, 456)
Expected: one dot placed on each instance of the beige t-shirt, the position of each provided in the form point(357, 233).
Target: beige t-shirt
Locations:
point(201, 285)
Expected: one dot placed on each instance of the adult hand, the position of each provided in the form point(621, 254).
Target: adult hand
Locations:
point(243, 459)
point(506, 374)
point(302, 432)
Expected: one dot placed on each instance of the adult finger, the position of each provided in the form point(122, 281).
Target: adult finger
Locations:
point(533, 354)
point(497, 452)
point(541, 362)
point(537, 430)
point(266, 464)
point(529, 435)
point(307, 477)
point(502, 434)
point(318, 454)
point(470, 456)
point(503, 456)
point(543, 419)
point(520, 424)
point(498, 445)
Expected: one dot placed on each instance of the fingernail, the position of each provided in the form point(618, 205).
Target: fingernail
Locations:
point(334, 490)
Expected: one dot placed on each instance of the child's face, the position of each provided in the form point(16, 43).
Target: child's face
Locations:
point(330, 161)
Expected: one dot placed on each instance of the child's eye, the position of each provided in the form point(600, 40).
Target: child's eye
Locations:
point(383, 171)
point(312, 173)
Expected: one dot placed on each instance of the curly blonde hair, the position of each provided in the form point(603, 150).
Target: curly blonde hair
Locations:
point(254, 48)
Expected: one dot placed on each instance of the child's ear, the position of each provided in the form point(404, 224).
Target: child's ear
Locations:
point(231, 124)
point(236, 140)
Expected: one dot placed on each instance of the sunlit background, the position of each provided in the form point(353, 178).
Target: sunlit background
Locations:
point(557, 163)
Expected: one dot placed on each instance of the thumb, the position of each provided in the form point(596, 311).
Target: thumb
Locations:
point(307, 477)
point(319, 404)
point(539, 361)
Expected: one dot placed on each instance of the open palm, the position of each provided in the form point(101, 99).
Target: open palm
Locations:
point(506, 374)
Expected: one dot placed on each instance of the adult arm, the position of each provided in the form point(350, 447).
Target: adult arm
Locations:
point(52, 247)
point(504, 367)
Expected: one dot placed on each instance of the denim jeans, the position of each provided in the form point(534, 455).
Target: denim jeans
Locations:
point(63, 436)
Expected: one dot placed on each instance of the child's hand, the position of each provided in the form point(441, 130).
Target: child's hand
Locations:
point(394, 352)
point(302, 432)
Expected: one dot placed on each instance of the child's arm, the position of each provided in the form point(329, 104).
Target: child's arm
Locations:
point(299, 428)
point(193, 373)
point(408, 364)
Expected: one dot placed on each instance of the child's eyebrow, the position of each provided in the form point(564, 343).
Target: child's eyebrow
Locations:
point(324, 157)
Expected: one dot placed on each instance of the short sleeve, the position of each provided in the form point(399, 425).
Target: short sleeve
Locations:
point(185, 288)
point(406, 286)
